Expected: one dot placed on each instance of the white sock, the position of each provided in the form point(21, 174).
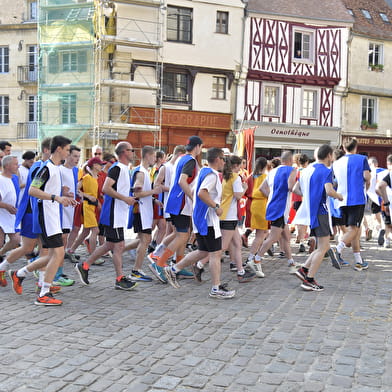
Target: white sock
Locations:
point(357, 258)
point(290, 262)
point(22, 273)
point(251, 256)
point(4, 265)
point(215, 288)
point(159, 250)
point(241, 272)
point(41, 275)
point(174, 268)
point(257, 258)
point(45, 288)
point(340, 247)
point(200, 265)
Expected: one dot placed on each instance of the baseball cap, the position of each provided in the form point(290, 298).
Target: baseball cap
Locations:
point(192, 142)
point(93, 160)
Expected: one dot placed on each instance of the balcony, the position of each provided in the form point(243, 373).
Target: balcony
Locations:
point(27, 130)
point(27, 74)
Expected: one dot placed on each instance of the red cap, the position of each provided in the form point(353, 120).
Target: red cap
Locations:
point(91, 162)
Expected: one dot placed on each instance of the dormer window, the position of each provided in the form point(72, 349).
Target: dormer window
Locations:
point(303, 45)
point(350, 11)
point(366, 14)
point(384, 17)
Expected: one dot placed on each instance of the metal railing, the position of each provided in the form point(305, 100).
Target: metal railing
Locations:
point(27, 130)
point(27, 74)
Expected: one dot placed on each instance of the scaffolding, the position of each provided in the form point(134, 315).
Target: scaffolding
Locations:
point(66, 68)
point(128, 68)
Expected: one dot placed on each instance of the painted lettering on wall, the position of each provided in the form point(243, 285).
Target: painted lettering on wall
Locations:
point(289, 132)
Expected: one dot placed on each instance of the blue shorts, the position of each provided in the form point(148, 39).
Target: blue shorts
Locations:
point(27, 226)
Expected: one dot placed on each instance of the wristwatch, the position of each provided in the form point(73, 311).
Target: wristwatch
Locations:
point(387, 204)
point(216, 206)
point(52, 197)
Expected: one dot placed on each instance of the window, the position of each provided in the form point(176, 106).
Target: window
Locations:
point(175, 87)
point(4, 109)
point(70, 62)
point(271, 101)
point(179, 24)
point(32, 108)
point(4, 59)
point(384, 17)
point(222, 22)
point(303, 44)
point(350, 11)
point(218, 87)
point(375, 54)
point(32, 10)
point(68, 109)
point(309, 104)
point(369, 110)
point(366, 14)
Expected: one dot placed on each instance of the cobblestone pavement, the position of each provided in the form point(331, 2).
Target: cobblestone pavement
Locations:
point(272, 336)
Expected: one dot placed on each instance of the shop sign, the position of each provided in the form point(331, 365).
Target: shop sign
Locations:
point(371, 141)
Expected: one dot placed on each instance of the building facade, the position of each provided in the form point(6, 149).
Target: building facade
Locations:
point(367, 101)
point(296, 72)
point(200, 59)
point(18, 75)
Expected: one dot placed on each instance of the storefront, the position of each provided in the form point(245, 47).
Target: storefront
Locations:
point(178, 125)
point(272, 139)
point(378, 147)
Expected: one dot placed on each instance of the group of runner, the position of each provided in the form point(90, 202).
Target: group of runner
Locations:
point(174, 204)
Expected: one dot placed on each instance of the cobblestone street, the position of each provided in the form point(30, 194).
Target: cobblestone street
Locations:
point(272, 336)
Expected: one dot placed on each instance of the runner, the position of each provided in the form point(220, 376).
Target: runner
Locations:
point(277, 186)
point(352, 173)
point(143, 210)
point(179, 203)
point(114, 218)
point(46, 186)
point(207, 196)
point(314, 184)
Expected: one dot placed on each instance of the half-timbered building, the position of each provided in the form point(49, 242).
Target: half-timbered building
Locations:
point(296, 56)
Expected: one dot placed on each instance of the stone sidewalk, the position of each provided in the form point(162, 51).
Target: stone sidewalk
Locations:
point(272, 336)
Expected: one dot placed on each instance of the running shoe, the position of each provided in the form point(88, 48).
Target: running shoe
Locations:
point(293, 268)
point(282, 255)
point(53, 289)
point(48, 300)
point(344, 263)
point(381, 237)
point(99, 262)
point(16, 282)
point(139, 276)
point(125, 284)
point(233, 267)
point(361, 266)
point(185, 274)
point(302, 248)
point(3, 280)
point(197, 272)
point(311, 286)
point(246, 277)
point(71, 257)
point(222, 293)
point(387, 243)
point(83, 273)
point(63, 281)
point(334, 256)
point(368, 234)
point(301, 274)
point(158, 272)
point(152, 258)
point(171, 277)
point(256, 268)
